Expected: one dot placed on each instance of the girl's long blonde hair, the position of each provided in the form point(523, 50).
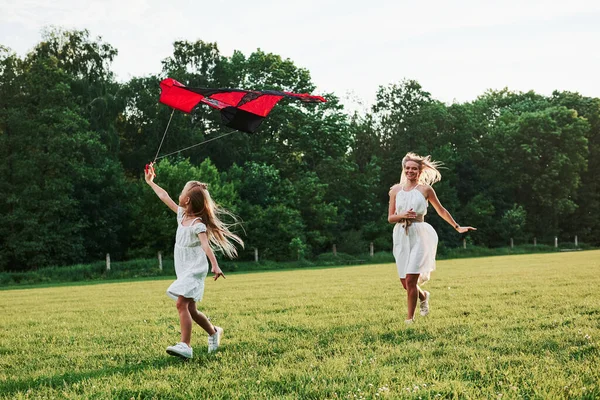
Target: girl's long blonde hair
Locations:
point(203, 206)
point(428, 169)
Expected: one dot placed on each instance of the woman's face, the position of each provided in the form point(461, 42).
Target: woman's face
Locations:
point(411, 169)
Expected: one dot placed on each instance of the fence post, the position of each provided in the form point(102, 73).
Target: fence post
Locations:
point(534, 241)
point(575, 240)
point(255, 254)
point(160, 260)
point(512, 243)
point(464, 243)
point(555, 241)
point(371, 249)
point(107, 262)
point(334, 249)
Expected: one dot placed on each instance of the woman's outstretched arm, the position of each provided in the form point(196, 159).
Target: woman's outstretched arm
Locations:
point(442, 212)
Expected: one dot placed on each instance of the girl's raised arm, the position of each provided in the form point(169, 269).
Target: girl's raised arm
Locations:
point(162, 194)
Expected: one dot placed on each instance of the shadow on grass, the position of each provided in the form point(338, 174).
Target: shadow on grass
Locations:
point(13, 386)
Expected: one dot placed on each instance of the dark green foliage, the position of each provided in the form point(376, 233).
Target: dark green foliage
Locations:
point(63, 193)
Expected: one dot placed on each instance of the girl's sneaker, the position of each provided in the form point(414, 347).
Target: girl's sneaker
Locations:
point(180, 350)
point(425, 305)
point(214, 340)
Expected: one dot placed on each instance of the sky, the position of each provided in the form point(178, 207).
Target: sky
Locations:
point(456, 49)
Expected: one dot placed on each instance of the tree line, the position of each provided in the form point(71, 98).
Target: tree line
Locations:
point(74, 142)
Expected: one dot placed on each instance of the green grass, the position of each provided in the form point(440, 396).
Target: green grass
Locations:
point(524, 326)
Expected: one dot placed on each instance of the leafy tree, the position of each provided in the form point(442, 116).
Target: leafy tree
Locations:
point(586, 219)
point(542, 154)
point(93, 88)
point(513, 222)
point(61, 186)
point(297, 248)
point(270, 218)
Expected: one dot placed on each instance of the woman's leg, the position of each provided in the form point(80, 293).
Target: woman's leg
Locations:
point(403, 281)
point(421, 292)
point(422, 296)
point(412, 293)
point(200, 318)
point(185, 319)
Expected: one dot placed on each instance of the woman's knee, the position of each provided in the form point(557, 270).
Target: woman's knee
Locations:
point(403, 281)
point(412, 280)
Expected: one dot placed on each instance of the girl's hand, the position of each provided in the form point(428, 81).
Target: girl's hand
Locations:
point(410, 214)
point(149, 173)
point(217, 271)
point(464, 229)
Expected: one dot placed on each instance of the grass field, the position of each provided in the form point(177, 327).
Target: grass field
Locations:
point(500, 327)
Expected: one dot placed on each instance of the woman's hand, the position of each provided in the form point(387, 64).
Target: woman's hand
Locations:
point(217, 271)
point(464, 229)
point(410, 214)
point(149, 173)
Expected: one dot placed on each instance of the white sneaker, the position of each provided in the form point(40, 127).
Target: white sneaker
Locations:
point(409, 321)
point(425, 304)
point(180, 350)
point(214, 340)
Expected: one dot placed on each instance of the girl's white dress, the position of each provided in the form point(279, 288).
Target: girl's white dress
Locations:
point(191, 264)
point(414, 252)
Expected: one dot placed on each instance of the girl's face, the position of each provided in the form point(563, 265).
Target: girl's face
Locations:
point(184, 199)
point(411, 169)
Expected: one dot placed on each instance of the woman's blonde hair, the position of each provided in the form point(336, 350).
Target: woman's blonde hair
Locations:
point(428, 169)
point(203, 206)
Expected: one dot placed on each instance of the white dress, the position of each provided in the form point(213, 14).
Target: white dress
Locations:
point(191, 264)
point(414, 252)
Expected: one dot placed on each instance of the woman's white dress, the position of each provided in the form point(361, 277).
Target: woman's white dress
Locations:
point(191, 264)
point(414, 252)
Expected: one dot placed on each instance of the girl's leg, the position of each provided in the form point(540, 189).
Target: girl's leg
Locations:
point(413, 293)
point(185, 319)
point(200, 318)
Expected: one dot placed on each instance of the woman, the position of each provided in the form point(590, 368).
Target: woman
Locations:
point(415, 241)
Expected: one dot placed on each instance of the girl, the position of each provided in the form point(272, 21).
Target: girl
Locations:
point(198, 228)
point(415, 241)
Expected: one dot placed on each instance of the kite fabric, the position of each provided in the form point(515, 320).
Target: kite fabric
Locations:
point(243, 110)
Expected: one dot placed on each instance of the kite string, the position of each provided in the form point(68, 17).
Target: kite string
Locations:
point(197, 144)
point(163, 138)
